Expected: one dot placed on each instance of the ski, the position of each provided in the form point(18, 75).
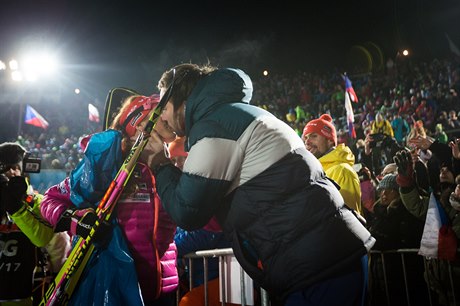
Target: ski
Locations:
point(64, 284)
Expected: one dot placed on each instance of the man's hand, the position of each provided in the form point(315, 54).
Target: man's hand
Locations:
point(13, 193)
point(403, 160)
point(367, 144)
point(454, 145)
point(422, 143)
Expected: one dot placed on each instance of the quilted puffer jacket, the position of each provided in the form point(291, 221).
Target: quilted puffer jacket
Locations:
point(148, 229)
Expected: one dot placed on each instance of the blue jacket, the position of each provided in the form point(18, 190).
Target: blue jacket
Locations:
point(286, 221)
point(198, 240)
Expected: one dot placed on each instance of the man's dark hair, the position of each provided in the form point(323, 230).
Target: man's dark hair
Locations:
point(183, 79)
point(11, 153)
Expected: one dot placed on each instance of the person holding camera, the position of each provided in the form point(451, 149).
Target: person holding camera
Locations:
point(381, 126)
point(380, 143)
point(22, 230)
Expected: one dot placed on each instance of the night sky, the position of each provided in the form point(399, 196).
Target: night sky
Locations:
point(104, 44)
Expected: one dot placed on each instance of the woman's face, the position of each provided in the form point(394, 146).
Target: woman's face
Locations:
point(166, 134)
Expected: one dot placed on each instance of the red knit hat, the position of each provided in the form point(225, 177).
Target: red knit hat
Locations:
point(139, 108)
point(322, 126)
point(176, 148)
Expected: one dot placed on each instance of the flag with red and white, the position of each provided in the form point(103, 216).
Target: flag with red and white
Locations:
point(436, 241)
point(32, 117)
point(350, 116)
point(93, 113)
point(349, 89)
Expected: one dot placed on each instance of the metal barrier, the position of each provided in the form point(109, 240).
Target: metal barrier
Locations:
point(452, 291)
point(223, 254)
point(406, 274)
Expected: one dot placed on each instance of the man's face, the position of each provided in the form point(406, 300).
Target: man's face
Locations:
point(174, 120)
point(13, 170)
point(317, 144)
point(446, 176)
point(166, 135)
point(457, 191)
point(388, 195)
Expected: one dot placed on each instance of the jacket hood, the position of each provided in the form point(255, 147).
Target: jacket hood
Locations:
point(341, 154)
point(223, 86)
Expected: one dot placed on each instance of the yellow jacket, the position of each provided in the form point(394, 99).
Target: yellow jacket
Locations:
point(30, 222)
point(383, 127)
point(338, 165)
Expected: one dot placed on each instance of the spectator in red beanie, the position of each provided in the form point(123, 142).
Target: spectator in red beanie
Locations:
point(320, 139)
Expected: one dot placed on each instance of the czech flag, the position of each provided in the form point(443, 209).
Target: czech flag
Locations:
point(93, 113)
point(350, 116)
point(438, 238)
point(350, 89)
point(32, 117)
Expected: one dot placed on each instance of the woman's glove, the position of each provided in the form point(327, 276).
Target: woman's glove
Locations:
point(77, 221)
point(14, 191)
point(403, 160)
point(81, 221)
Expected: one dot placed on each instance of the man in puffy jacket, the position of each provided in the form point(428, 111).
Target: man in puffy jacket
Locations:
point(288, 224)
point(320, 139)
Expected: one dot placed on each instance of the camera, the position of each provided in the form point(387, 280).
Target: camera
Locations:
point(3, 179)
point(31, 164)
point(363, 176)
point(377, 140)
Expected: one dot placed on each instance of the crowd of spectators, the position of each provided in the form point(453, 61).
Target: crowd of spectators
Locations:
point(418, 99)
point(425, 91)
point(423, 94)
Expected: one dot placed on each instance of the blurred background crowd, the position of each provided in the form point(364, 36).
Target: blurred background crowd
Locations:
point(411, 96)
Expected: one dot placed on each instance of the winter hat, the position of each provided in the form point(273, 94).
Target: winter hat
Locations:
point(448, 165)
point(322, 126)
point(11, 153)
point(176, 148)
point(135, 113)
point(388, 182)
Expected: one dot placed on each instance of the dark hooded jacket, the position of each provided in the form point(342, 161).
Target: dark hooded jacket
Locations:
point(286, 221)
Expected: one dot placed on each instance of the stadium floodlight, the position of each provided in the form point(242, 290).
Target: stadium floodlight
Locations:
point(31, 76)
point(2, 66)
point(77, 91)
point(39, 65)
point(13, 64)
point(405, 52)
point(16, 75)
